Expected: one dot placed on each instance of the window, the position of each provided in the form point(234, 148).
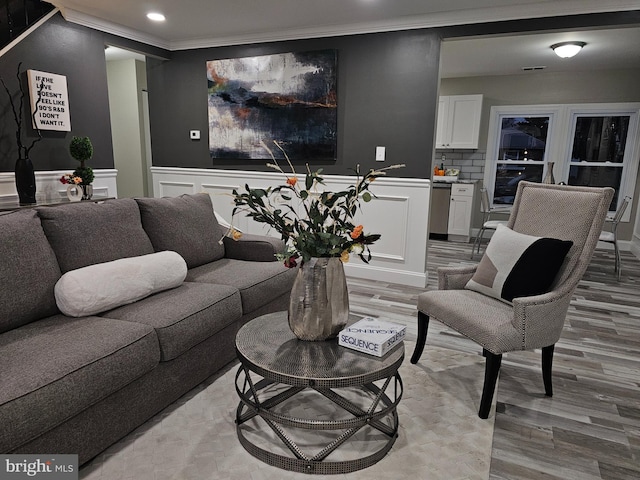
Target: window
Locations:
point(591, 145)
point(521, 154)
point(597, 157)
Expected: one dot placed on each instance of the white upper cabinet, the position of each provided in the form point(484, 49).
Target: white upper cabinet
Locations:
point(458, 121)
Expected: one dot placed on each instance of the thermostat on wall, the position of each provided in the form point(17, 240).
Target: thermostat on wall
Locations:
point(194, 134)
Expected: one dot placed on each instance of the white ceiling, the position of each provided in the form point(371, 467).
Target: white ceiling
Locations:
point(209, 23)
point(507, 55)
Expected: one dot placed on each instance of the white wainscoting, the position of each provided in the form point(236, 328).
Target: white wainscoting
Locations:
point(399, 213)
point(48, 186)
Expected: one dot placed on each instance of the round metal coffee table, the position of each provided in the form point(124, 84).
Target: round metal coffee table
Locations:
point(300, 401)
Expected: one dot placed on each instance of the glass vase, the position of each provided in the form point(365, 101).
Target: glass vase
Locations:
point(549, 178)
point(87, 192)
point(319, 304)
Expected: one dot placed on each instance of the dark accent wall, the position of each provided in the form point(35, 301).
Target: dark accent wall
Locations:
point(387, 92)
point(78, 53)
point(387, 96)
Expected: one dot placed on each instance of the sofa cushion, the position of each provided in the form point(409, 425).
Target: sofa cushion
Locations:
point(518, 265)
point(60, 366)
point(258, 282)
point(254, 248)
point(86, 233)
point(28, 270)
point(101, 287)
point(184, 224)
point(184, 316)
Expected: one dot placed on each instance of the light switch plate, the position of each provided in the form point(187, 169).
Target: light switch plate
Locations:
point(380, 154)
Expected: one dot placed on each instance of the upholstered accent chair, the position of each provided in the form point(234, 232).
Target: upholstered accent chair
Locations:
point(567, 213)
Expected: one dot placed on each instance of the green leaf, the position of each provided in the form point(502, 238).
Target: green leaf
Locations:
point(366, 196)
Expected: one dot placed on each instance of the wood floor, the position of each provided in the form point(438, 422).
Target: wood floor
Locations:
point(590, 429)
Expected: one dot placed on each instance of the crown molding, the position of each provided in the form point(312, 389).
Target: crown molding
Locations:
point(96, 23)
point(413, 22)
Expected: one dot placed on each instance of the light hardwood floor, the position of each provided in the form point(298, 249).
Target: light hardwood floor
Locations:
point(590, 429)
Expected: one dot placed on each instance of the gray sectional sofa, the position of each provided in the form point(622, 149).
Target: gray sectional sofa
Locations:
point(78, 384)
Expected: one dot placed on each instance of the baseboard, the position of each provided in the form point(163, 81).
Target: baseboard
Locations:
point(382, 274)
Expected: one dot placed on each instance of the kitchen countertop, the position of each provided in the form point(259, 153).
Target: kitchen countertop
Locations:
point(453, 181)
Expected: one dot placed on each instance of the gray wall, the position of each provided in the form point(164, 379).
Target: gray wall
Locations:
point(597, 86)
point(387, 91)
point(65, 49)
point(78, 53)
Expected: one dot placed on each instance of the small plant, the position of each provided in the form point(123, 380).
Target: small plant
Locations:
point(81, 149)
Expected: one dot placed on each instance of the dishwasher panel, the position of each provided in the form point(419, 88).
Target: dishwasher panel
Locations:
point(439, 212)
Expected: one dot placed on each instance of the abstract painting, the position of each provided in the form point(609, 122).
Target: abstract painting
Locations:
point(288, 97)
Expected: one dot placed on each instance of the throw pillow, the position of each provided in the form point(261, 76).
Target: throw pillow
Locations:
point(184, 224)
point(85, 233)
point(104, 286)
point(518, 265)
point(28, 271)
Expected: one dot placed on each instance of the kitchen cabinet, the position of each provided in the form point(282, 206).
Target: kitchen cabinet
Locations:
point(461, 206)
point(458, 121)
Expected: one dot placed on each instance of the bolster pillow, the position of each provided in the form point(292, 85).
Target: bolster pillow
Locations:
point(101, 287)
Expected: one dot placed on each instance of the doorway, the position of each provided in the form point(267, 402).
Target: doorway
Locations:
point(130, 131)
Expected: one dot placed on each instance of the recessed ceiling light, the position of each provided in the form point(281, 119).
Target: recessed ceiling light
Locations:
point(156, 17)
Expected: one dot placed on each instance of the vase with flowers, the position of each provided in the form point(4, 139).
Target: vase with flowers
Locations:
point(82, 177)
point(319, 229)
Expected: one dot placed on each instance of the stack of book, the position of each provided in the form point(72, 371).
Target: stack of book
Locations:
point(372, 336)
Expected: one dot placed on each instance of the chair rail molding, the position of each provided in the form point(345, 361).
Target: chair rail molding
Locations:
point(48, 186)
point(399, 212)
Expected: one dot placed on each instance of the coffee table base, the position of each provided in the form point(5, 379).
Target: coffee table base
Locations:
point(380, 414)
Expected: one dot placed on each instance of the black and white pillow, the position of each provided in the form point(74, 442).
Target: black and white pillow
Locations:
point(518, 265)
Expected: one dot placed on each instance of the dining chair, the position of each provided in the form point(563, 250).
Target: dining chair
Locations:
point(487, 223)
point(517, 297)
point(611, 235)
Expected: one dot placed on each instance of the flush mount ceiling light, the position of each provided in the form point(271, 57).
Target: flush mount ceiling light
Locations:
point(567, 49)
point(156, 17)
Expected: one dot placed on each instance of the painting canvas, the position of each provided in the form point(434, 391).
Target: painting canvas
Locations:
point(289, 98)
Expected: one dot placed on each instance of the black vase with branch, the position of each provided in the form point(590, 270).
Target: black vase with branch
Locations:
point(25, 176)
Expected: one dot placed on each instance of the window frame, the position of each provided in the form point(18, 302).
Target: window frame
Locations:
point(561, 131)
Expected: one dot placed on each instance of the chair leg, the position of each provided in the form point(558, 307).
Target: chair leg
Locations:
point(491, 371)
point(476, 243)
point(547, 363)
point(423, 326)
point(617, 260)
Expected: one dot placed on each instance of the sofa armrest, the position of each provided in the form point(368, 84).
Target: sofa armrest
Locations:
point(254, 248)
point(455, 278)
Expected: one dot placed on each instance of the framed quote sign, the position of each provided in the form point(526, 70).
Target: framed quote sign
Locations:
point(49, 101)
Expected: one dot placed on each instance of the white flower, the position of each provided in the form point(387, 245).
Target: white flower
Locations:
point(357, 248)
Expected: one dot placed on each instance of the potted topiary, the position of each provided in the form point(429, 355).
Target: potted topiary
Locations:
point(81, 149)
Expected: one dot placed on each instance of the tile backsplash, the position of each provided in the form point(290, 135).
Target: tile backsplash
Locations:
point(470, 162)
